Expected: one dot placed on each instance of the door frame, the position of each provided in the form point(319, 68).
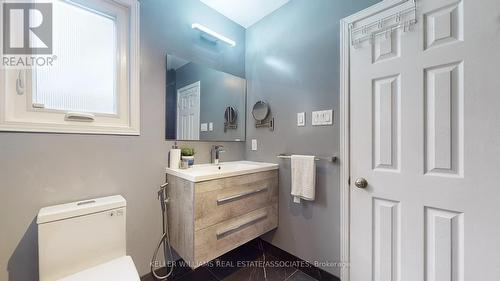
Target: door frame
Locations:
point(344, 153)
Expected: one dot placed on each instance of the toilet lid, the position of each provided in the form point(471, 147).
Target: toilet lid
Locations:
point(122, 269)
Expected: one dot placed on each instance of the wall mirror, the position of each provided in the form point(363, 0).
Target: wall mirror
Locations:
point(203, 103)
point(260, 111)
point(261, 114)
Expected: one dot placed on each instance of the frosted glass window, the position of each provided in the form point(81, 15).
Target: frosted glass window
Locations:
point(83, 77)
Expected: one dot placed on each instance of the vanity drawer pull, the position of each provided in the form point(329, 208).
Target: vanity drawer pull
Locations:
point(240, 224)
point(239, 195)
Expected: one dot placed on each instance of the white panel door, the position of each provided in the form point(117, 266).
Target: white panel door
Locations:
point(188, 112)
point(425, 134)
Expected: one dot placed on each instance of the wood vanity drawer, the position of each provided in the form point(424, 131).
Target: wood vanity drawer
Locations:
point(220, 200)
point(220, 238)
point(208, 219)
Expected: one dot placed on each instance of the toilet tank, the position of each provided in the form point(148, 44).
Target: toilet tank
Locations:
point(75, 236)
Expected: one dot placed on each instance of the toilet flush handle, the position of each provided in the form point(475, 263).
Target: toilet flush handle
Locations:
point(85, 202)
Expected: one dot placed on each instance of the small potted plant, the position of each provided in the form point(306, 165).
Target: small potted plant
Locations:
point(187, 154)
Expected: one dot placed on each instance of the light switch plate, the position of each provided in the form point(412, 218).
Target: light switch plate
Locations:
point(204, 127)
point(211, 126)
point(328, 117)
point(315, 117)
point(254, 145)
point(322, 118)
point(301, 119)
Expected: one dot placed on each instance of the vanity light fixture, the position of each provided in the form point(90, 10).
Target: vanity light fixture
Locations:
point(213, 34)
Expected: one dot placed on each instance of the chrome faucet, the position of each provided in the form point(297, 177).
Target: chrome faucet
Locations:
point(215, 154)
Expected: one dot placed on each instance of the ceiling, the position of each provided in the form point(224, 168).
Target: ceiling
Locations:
point(245, 12)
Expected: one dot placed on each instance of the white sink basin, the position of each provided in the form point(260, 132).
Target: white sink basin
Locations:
point(206, 172)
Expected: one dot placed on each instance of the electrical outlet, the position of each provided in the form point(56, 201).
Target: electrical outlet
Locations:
point(204, 127)
point(254, 145)
point(211, 126)
point(301, 119)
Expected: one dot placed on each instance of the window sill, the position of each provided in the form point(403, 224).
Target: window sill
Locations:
point(65, 129)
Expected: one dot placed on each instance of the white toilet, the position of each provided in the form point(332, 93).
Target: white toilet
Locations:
point(84, 241)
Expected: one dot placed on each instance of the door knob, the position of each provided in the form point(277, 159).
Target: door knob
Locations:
point(361, 183)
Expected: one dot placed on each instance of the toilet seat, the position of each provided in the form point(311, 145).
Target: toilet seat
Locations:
point(122, 269)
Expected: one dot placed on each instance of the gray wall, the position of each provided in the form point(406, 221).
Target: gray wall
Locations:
point(218, 91)
point(292, 61)
point(38, 170)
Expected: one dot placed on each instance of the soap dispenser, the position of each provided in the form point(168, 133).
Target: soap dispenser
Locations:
point(175, 157)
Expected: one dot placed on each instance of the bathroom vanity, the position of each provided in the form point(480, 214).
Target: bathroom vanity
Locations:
point(215, 208)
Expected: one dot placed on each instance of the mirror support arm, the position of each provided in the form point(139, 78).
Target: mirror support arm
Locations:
point(269, 124)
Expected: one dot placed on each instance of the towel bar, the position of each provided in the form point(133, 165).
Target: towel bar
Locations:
point(317, 158)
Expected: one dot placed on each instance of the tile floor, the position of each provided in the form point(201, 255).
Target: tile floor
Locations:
point(243, 263)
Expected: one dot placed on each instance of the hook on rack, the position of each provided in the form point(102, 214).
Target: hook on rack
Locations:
point(403, 19)
point(20, 87)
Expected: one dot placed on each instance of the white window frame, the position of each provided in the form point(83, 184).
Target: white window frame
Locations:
point(17, 112)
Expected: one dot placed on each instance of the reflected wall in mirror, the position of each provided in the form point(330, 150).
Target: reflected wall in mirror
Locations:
point(203, 103)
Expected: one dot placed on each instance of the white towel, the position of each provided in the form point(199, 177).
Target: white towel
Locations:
point(303, 178)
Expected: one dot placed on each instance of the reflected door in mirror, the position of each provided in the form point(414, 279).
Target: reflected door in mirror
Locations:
point(188, 112)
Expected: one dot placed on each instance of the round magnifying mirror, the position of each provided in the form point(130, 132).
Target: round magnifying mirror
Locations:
point(230, 115)
point(260, 111)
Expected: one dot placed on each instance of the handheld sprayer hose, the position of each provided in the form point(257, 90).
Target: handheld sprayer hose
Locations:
point(165, 240)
